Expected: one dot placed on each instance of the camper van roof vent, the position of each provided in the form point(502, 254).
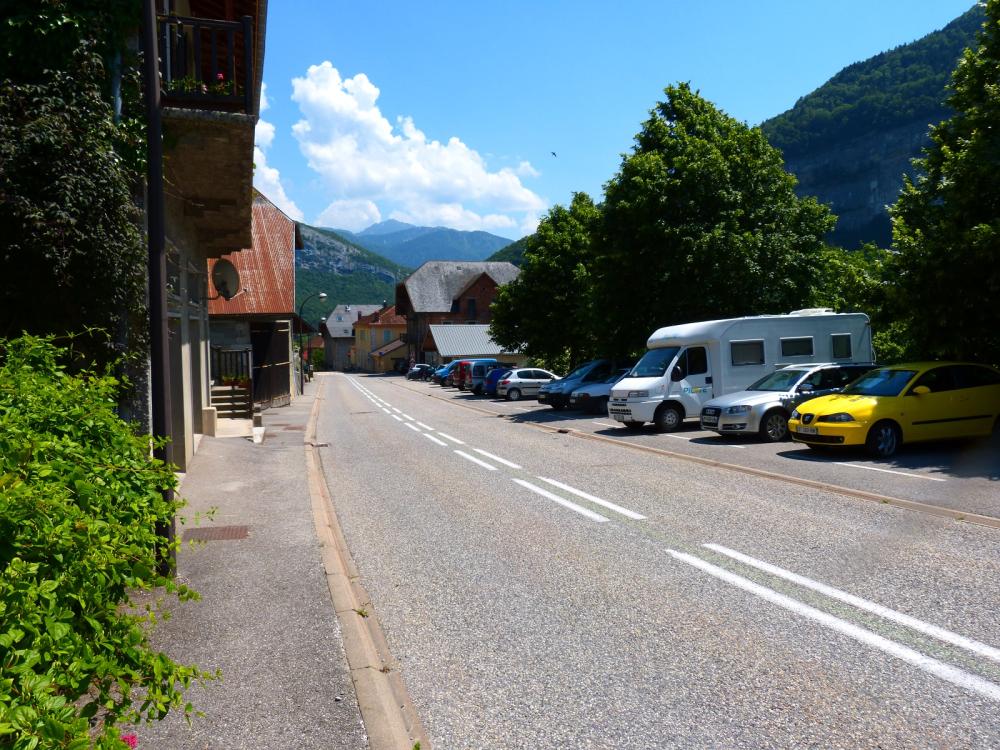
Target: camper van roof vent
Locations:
point(813, 311)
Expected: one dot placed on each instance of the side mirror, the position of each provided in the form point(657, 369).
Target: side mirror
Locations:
point(677, 375)
point(806, 388)
point(920, 390)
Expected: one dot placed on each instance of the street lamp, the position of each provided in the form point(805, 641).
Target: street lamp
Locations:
point(302, 362)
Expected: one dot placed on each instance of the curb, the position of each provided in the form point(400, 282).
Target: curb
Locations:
point(387, 711)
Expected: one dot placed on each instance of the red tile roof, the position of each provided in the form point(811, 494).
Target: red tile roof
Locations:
point(267, 269)
point(386, 317)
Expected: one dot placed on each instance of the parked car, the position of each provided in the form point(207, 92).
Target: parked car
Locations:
point(556, 394)
point(471, 372)
point(523, 381)
point(442, 374)
point(593, 397)
point(764, 407)
point(492, 378)
point(418, 372)
point(903, 403)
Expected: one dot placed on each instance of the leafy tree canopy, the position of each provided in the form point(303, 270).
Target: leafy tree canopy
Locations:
point(547, 310)
point(701, 221)
point(946, 223)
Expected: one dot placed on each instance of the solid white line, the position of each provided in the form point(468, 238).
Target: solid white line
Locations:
point(411, 427)
point(607, 504)
point(475, 460)
point(524, 408)
point(426, 427)
point(562, 501)
point(434, 439)
point(452, 439)
point(890, 471)
point(678, 437)
point(932, 666)
point(603, 424)
point(396, 417)
point(504, 461)
point(856, 601)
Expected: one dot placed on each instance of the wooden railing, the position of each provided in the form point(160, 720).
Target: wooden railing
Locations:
point(207, 64)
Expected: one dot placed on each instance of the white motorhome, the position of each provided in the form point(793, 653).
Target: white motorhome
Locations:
point(689, 364)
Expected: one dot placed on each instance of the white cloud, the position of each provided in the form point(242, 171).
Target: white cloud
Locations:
point(263, 134)
point(350, 214)
point(361, 156)
point(264, 102)
point(266, 178)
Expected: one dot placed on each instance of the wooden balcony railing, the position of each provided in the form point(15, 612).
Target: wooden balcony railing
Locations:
point(207, 64)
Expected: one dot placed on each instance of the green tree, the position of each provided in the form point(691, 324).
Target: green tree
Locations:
point(547, 310)
point(701, 221)
point(946, 223)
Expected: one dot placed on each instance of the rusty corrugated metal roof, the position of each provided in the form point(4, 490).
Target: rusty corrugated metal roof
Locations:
point(383, 317)
point(267, 269)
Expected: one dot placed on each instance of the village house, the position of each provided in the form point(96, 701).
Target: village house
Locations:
point(378, 341)
point(338, 334)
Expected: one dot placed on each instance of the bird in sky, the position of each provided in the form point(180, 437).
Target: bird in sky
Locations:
point(554, 153)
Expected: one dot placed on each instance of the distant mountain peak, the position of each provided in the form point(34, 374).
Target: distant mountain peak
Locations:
point(388, 226)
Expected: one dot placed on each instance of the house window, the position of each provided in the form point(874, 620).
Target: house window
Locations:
point(747, 352)
point(801, 347)
point(455, 305)
point(840, 344)
point(470, 308)
point(386, 337)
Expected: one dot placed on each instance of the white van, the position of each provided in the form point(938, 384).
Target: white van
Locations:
point(689, 364)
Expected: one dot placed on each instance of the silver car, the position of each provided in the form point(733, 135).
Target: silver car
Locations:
point(523, 381)
point(764, 407)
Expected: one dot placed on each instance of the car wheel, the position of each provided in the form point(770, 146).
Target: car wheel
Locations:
point(513, 394)
point(667, 419)
point(599, 406)
point(558, 406)
point(631, 425)
point(477, 391)
point(883, 439)
point(774, 426)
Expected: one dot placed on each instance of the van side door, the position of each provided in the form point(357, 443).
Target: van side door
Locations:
point(693, 376)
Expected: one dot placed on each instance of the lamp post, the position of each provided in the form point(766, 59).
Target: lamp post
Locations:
point(302, 362)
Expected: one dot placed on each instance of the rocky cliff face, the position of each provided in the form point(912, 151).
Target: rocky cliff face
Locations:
point(326, 253)
point(859, 178)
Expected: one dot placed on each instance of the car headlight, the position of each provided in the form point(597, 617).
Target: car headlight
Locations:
point(638, 394)
point(738, 410)
point(840, 416)
point(795, 414)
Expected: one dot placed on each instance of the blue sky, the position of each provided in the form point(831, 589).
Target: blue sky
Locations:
point(447, 113)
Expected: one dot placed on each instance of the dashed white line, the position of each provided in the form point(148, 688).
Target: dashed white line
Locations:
point(890, 471)
point(455, 440)
point(679, 437)
point(407, 416)
point(562, 501)
point(927, 628)
point(434, 439)
point(415, 429)
point(939, 669)
point(398, 411)
point(386, 410)
point(396, 417)
point(426, 427)
point(603, 424)
point(475, 460)
point(503, 461)
point(596, 500)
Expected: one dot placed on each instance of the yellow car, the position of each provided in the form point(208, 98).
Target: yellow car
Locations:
point(902, 404)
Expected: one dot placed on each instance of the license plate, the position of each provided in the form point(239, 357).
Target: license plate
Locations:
point(807, 431)
point(710, 421)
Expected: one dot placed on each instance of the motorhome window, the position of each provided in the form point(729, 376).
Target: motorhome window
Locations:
point(747, 352)
point(779, 381)
point(697, 360)
point(801, 347)
point(840, 344)
point(654, 362)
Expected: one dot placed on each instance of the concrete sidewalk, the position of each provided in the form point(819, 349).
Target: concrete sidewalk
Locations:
point(265, 618)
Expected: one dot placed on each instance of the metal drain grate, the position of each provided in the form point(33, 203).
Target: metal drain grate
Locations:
point(216, 533)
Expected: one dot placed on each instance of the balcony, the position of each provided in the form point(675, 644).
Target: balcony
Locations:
point(207, 64)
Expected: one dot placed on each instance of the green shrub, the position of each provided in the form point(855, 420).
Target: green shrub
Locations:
point(80, 499)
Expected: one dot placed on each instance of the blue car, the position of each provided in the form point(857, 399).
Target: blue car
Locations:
point(442, 374)
point(492, 378)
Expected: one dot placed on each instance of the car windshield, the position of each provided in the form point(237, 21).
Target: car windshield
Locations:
point(880, 383)
point(579, 370)
point(781, 380)
point(654, 362)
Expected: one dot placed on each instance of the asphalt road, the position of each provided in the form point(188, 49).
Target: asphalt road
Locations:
point(546, 591)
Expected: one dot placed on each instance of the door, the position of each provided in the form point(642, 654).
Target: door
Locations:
point(537, 378)
point(693, 378)
point(932, 415)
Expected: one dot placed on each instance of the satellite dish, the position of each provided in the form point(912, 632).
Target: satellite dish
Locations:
point(226, 279)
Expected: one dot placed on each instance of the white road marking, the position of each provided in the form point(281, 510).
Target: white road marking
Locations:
point(434, 439)
point(426, 427)
point(503, 461)
point(524, 408)
point(396, 417)
point(407, 416)
point(562, 501)
point(398, 411)
point(934, 631)
point(596, 500)
point(475, 460)
point(939, 669)
point(411, 427)
point(386, 410)
point(678, 437)
point(452, 439)
point(890, 471)
point(603, 424)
